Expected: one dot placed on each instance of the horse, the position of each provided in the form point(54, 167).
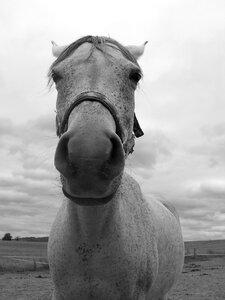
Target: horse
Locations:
point(108, 241)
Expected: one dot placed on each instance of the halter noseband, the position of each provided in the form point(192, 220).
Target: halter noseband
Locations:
point(62, 126)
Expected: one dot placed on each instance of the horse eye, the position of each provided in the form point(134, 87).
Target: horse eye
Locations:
point(135, 76)
point(55, 76)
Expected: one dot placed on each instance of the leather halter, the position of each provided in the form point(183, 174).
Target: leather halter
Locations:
point(62, 126)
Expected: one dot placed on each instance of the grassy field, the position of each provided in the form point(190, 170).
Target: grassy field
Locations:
point(39, 249)
point(205, 247)
point(19, 248)
point(22, 256)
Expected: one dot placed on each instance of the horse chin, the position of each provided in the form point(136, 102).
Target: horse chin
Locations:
point(87, 201)
point(88, 194)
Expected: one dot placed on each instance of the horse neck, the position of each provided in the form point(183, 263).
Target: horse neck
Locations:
point(92, 221)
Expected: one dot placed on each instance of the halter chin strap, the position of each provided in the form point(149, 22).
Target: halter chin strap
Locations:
point(62, 126)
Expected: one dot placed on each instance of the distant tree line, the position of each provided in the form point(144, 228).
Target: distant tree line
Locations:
point(8, 237)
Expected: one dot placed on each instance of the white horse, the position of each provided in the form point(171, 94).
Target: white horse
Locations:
point(107, 241)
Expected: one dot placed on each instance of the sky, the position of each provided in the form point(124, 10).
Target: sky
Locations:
point(180, 105)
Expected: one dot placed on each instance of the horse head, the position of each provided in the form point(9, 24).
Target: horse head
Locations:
point(96, 78)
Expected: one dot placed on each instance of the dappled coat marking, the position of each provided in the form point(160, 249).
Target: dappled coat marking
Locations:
point(107, 241)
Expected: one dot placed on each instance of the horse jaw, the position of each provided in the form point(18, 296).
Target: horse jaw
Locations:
point(137, 51)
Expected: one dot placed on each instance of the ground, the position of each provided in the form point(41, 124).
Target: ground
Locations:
point(201, 280)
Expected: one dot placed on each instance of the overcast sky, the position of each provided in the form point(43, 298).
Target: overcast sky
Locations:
point(180, 105)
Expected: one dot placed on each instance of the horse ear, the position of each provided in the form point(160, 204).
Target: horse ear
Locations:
point(137, 51)
point(57, 50)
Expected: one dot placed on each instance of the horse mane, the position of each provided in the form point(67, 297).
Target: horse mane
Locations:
point(97, 42)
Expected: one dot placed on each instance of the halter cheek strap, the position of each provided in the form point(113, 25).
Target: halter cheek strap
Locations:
point(87, 96)
point(138, 132)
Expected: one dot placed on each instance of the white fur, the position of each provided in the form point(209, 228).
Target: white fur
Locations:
point(129, 248)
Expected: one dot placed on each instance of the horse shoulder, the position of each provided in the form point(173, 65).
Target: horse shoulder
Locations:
point(161, 227)
point(167, 204)
point(152, 201)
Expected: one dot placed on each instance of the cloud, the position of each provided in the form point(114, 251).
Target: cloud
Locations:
point(214, 188)
point(29, 190)
point(30, 193)
point(155, 148)
point(211, 144)
point(180, 106)
point(186, 179)
point(201, 209)
point(186, 92)
point(5, 126)
point(216, 131)
point(10, 196)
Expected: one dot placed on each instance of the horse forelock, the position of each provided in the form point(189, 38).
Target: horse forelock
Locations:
point(97, 42)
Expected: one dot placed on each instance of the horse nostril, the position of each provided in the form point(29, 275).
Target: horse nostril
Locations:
point(61, 154)
point(115, 162)
point(117, 153)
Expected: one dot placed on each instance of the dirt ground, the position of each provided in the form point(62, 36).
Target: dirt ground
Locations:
point(200, 280)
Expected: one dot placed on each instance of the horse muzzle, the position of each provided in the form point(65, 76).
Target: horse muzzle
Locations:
point(90, 155)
